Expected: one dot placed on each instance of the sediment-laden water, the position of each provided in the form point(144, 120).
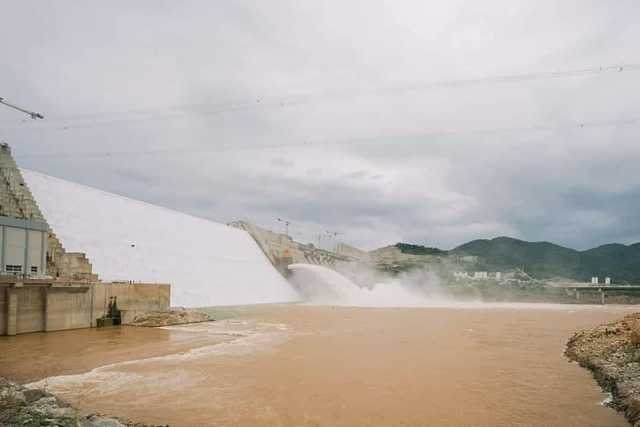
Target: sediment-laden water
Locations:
point(297, 365)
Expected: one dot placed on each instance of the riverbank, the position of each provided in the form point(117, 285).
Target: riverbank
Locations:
point(22, 406)
point(612, 353)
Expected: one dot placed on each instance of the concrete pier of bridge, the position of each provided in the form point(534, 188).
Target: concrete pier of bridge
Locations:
point(602, 293)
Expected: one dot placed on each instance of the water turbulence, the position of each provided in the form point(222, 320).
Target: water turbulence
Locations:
point(322, 285)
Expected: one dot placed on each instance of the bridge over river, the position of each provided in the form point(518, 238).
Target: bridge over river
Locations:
point(580, 289)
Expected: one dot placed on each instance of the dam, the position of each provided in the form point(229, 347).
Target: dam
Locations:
point(43, 286)
point(206, 263)
point(116, 249)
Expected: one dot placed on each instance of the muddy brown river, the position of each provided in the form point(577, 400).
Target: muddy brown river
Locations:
point(296, 365)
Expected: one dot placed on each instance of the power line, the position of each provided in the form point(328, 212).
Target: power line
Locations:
point(580, 126)
point(285, 101)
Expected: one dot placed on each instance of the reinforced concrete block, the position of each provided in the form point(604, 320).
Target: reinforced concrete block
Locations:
point(12, 312)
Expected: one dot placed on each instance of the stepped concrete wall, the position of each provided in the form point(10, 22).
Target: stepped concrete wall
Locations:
point(72, 265)
point(17, 201)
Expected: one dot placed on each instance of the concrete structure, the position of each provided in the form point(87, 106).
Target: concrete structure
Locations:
point(282, 250)
point(601, 293)
point(61, 263)
point(594, 280)
point(23, 229)
point(42, 286)
point(16, 200)
point(23, 247)
point(29, 246)
point(37, 305)
point(207, 263)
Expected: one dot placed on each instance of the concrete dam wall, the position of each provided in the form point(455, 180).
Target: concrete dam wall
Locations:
point(41, 305)
point(206, 263)
point(283, 250)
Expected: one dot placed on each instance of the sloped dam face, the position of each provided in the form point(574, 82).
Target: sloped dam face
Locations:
point(314, 365)
point(205, 262)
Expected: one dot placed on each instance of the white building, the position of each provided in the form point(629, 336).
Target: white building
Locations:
point(481, 275)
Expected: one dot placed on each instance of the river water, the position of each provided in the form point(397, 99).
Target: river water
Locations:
point(300, 365)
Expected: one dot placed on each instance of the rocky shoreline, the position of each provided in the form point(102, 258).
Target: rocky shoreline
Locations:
point(612, 353)
point(22, 406)
point(175, 316)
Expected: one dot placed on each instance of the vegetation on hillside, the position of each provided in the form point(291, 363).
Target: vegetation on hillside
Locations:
point(407, 248)
point(545, 260)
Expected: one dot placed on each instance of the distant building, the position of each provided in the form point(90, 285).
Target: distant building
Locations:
point(594, 280)
point(458, 275)
point(478, 275)
point(481, 275)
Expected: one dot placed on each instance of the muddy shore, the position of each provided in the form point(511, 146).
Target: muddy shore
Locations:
point(612, 353)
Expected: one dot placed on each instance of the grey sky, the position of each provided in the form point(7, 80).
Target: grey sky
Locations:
point(319, 112)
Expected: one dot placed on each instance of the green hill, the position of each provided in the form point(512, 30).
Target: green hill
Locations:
point(545, 260)
point(419, 250)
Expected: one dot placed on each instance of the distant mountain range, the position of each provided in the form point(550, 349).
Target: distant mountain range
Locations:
point(546, 260)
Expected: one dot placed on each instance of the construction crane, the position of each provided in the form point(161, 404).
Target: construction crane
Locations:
point(286, 225)
point(33, 114)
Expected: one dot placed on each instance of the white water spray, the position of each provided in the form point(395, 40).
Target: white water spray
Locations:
point(321, 285)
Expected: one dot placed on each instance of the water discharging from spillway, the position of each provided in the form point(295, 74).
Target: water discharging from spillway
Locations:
point(321, 285)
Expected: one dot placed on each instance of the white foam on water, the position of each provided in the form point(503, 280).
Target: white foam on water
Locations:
point(607, 401)
point(319, 285)
point(108, 378)
point(96, 381)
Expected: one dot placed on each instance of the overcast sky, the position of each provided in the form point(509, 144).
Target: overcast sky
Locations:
point(325, 113)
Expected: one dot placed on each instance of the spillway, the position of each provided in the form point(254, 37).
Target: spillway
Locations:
point(205, 262)
point(321, 285)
